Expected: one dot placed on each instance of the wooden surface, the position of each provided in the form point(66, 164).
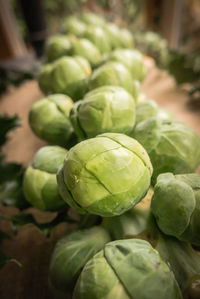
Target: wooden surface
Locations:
point(30, 247)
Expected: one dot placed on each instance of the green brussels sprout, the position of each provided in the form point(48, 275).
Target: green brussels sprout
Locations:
point(105, 175)
point(182, 258)
point(126, 269)
point(171, 145)
point(70, 255)
point(90, 18)
point(154, 45)
point(56, 47)
point(85, 48)
point(126, 37)
point(132, 60)
point(74, 26)
point(44, 79)
point(114, 35)
point(39, 184)
point(99, 37)
point(149, 108)
point(176, 206)
point(105, 109)
point(69, 76)
point(49, 119)
point(116, 74)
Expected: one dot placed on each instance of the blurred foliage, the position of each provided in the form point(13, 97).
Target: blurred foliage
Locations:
point(8, 77)
point(11, 174)
point(184, 67)
point(152, 44)
point(7, 124)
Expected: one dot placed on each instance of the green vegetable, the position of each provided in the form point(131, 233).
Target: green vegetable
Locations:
point(116, 74)
point(106, 175)
point(149, 108)
point(98, 36)
point(70, 255)
point(39, 185)
point(182, 258)
point(57, 46)
point(105, 109)
point(49, 119)
point(171, 145)
point(44, 79)
point(176, 206)
point(67, 75)
point(152, 44)
point(90, 18)
point(132, 60)
point(127, 269)
point(85, 48)
point(74, 26)
point(114, 34)
point(126, 38)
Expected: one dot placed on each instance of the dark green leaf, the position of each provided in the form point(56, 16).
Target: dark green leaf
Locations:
point(184, 67)
point(7, 123)
point(3, 259)
point(22, 219)
point(9, 171)
point(3, 236)
point(11, 194)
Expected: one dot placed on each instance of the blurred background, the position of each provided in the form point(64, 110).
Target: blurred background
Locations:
point(25, 26)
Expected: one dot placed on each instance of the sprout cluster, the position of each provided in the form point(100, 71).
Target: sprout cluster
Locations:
point(119, 144)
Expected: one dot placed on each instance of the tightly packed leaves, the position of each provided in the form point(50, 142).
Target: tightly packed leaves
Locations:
point(49, 119)
point(119, 269)
point(171, 145)
point(176, 206)
point(116, 166)
point(40, 187)
point(104, 109)
point(70, 255)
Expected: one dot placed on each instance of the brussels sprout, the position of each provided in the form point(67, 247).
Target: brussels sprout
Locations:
point(99, 37)
point(49, 119)
point(114, 34)
point(126, 37)
point(149, 108)
point(44, 79)
point(70, 255)
point(69, 76)
point(105, 109)
point(57, 46)
point(73, 25)
point(153, 45)
point(39, 184)
point(183, 260)
point(126, 269)
point(172, 146)
point(85, 48)
point(132, 60)
point(176, 206)
point(90, 18)
point(105, 175)
point(116, 74)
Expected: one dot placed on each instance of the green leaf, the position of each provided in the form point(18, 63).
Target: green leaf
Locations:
point(22, 219)
point(185, 68)
point(11, 194)
point(3, 259)
point(7, 123)
point(9, 171)
point(3, 236)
